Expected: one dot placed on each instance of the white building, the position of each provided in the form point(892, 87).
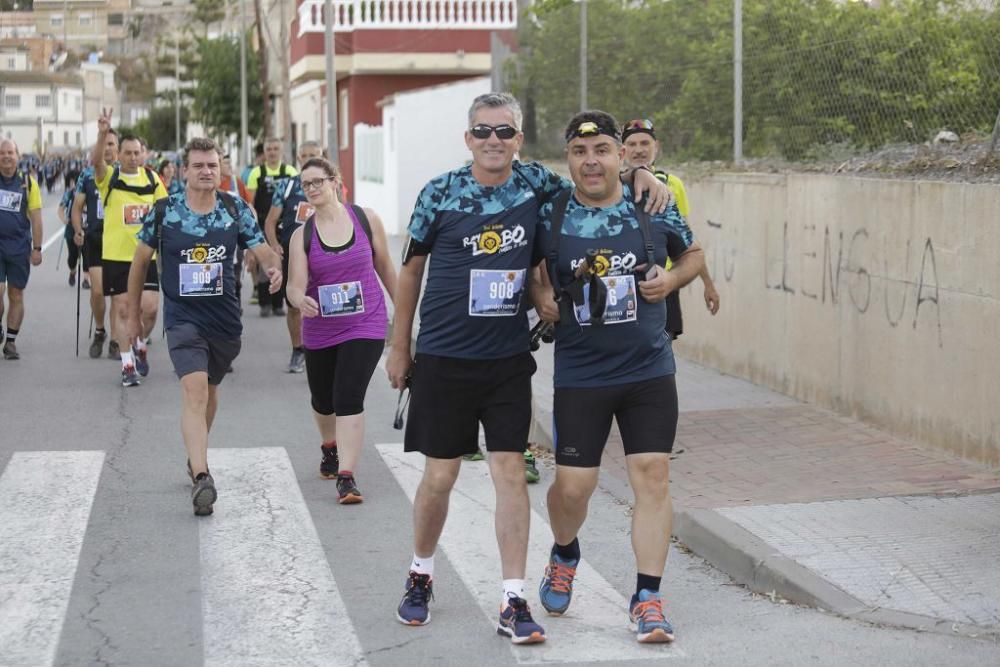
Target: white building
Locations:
point(14, 59)
point(99, 93)
point(42, 111)
point(422, 136)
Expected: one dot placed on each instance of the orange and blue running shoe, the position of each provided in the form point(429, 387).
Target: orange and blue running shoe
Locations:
point(516, 622)
point(651, 626)
point(556, 588)
point(414, 608)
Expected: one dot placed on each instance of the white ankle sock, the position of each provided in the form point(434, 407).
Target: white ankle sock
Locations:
point(511, 587)
point(422, 565)
point(127, 359)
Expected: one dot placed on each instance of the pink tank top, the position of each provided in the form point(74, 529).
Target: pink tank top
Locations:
point(346, 287)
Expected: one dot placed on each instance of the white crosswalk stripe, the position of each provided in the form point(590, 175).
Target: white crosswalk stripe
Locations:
point(46, 499)
point(269, 597)
point(596, 627)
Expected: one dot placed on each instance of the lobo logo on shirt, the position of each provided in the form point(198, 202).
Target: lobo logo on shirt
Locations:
point(495, 239)
point(132, 214)
point(609, 263)
point(201, 254)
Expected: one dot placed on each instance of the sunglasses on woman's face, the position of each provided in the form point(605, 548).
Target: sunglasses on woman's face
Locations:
point(483, 131)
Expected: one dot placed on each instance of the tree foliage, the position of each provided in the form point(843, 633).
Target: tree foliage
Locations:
point(816, 72)
point(216, 96)
point(161, 122)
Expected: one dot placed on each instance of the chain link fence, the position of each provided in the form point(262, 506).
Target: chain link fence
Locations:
point(823, 80)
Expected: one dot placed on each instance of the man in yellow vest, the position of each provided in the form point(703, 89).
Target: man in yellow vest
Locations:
point(128, 191)
point(642, 149)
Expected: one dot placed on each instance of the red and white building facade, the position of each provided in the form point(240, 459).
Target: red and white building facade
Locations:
point(384, 47)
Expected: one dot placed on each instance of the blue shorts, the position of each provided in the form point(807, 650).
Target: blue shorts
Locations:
point(15, 270)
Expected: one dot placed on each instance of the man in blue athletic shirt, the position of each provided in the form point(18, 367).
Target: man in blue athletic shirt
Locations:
point(195, 234)
point(472, 360)
point(613, 363)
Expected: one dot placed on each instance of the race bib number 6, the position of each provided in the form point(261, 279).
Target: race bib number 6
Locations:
point(200, 279)
point(495, 293)
point(621, 304)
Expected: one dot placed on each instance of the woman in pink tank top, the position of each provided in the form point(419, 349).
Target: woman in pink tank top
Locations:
point(338, 266)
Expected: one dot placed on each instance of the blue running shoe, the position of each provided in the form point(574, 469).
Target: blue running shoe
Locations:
point(516, 623)
point(413, 608)
point(141, 363)
point(556, 588)
point(651, 626)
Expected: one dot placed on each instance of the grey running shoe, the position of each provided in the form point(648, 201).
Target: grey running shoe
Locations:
point(114, 351)
point(142, 362)
point(191, 472)
point(10, 351)
point(330, 465)
point(203, 495)
point(265, 310)
point(297, 363)
point(347, 490)
point(97, 344)
point(279, 311)
point(129, 377)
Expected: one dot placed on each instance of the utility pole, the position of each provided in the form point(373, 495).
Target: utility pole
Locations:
point(331, 85)
point(583, 55)
point(177, 91)
point(737, 80)
point(245, 157)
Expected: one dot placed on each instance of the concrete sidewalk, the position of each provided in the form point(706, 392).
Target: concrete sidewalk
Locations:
point(799, 502)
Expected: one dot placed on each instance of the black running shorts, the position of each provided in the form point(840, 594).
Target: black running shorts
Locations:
point(339, 376)
point(191, 352)
point(92, 246)
point(646, 413)
point(449, 397)
point(115, 277)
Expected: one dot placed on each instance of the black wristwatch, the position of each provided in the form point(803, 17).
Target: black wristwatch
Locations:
point(36, 247)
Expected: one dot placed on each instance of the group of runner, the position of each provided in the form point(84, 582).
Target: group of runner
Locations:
point(590, 254)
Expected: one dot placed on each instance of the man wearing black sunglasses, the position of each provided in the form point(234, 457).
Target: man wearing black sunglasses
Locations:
point(612, 361)
point(642, 148)
point(473, 362)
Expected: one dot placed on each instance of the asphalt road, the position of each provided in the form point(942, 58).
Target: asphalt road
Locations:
point(104, 564)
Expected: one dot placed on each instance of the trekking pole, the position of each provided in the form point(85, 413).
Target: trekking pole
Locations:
point(59, 256)
point(78, 284)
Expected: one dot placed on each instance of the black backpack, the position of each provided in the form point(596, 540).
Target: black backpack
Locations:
point(142, 190)
point(309, 228)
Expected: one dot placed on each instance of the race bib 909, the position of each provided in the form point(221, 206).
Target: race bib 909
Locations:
point(200, 279)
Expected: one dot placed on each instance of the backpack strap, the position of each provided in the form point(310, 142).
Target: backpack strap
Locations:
point(647, 232)
point(359, 213)
point(559, 205)
point(308, 229)
point(159, 212)
point(26, 185)
point(229, 204)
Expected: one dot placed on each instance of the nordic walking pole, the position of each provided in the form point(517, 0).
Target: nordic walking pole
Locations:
point(78, 284)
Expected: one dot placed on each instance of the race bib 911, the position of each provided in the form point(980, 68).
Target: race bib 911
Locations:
point(341, 299)
point(200, 279)
point(494, 293)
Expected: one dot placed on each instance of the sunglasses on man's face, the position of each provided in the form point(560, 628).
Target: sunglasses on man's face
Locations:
point(638, 124)
point(483, 131)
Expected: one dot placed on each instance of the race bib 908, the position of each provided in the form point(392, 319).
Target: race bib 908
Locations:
point(495, 293)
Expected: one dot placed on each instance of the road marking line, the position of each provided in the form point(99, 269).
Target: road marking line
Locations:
point(269, 597)
point(45, 500)
point(52, 239)
point(596, 627)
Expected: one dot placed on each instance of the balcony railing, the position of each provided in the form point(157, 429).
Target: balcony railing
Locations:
point(351, 15)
